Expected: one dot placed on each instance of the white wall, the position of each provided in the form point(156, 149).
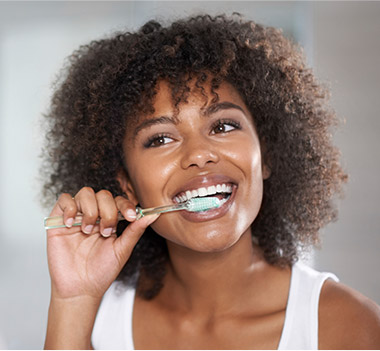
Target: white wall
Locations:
point(35, 37)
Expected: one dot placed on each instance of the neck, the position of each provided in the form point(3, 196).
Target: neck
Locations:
point(211, 281)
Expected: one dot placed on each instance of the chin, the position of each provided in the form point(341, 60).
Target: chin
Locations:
point(207, 237)
point(210, 242)
point(217, 242)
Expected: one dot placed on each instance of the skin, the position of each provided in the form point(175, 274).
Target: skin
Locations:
point(219, 291)
point(194, 150)
point(83, 263)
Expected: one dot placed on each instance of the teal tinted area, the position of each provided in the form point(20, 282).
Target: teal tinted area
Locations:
point(200, 204)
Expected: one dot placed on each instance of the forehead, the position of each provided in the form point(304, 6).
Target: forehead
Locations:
point(198, 96)
point(190, 99)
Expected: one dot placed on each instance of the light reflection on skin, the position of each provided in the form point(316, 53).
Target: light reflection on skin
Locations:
point(189, 149)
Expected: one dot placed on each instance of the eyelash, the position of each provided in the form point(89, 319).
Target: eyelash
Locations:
point(149, 143)
point(236, 125)
point(229, 122)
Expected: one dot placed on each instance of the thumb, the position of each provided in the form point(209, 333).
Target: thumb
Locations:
point(125, 243)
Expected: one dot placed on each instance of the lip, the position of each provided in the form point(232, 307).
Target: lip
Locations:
point(213, 213)
point(204, 181)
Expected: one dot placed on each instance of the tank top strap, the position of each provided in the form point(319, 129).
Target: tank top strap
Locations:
point(300, 331)
point(113, 324)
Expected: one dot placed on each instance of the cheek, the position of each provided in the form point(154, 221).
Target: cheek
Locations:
point(255, 170)
point(149, 177)
point(254, 195)
point(253, 166)
point(251, 191)
point(246, 155)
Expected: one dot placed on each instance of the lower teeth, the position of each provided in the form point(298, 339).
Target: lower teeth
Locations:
point(223, 201)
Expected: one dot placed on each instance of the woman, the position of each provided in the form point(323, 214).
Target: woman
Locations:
point(207, 106)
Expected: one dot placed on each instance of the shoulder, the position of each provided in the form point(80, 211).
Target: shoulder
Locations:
point(347, 319)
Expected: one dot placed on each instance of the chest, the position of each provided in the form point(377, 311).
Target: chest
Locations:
point(185, 331)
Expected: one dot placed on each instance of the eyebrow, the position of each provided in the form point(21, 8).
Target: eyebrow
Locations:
point(157, 120)
point(173, 120)
point(222, 106)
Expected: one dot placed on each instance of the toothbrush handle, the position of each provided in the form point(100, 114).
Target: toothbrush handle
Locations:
point(161, 209)
point(57, 222)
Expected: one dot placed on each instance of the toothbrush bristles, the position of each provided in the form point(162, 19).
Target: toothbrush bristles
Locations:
point(200, 204)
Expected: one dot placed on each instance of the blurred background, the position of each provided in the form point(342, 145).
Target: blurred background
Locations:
point(342, 44)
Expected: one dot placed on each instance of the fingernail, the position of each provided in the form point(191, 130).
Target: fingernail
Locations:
point(131, 214)
point(88, 229)
point(69, 222)
point(107, 232)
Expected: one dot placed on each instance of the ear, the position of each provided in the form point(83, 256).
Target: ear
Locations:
point(266, 171)
point(265, 161)
point(126, 186)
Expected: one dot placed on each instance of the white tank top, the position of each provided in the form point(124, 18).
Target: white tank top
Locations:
point(113, 324)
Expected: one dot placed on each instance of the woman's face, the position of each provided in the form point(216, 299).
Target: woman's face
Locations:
point(203, 149)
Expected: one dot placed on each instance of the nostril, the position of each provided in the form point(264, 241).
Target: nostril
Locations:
point(199, 157)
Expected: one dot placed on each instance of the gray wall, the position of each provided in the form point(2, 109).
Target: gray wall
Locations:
point(341, 41)
point(347, 54)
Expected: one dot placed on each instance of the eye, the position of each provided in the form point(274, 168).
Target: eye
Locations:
point(157, 141)
point(224, 126)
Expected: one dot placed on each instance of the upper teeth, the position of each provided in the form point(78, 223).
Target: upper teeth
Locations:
point(211, 190)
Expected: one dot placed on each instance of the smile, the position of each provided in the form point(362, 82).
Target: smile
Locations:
point(215, 185)
point(222, 191)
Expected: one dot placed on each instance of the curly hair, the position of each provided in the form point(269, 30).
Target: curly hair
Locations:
point(107, 84)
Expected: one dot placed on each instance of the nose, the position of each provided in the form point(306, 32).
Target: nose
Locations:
point(198, 153)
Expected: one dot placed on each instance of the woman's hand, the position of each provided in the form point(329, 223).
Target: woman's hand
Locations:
point(85, 260)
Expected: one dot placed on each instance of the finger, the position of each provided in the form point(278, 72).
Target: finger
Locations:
point(88, 206)
point(130, 236)
point(66, 207)
point(107, 212)
point(126, 208)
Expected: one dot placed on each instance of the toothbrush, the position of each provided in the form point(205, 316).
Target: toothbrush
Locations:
point(192, 205)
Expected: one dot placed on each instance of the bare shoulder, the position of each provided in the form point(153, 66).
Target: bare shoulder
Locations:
point(347, 319)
